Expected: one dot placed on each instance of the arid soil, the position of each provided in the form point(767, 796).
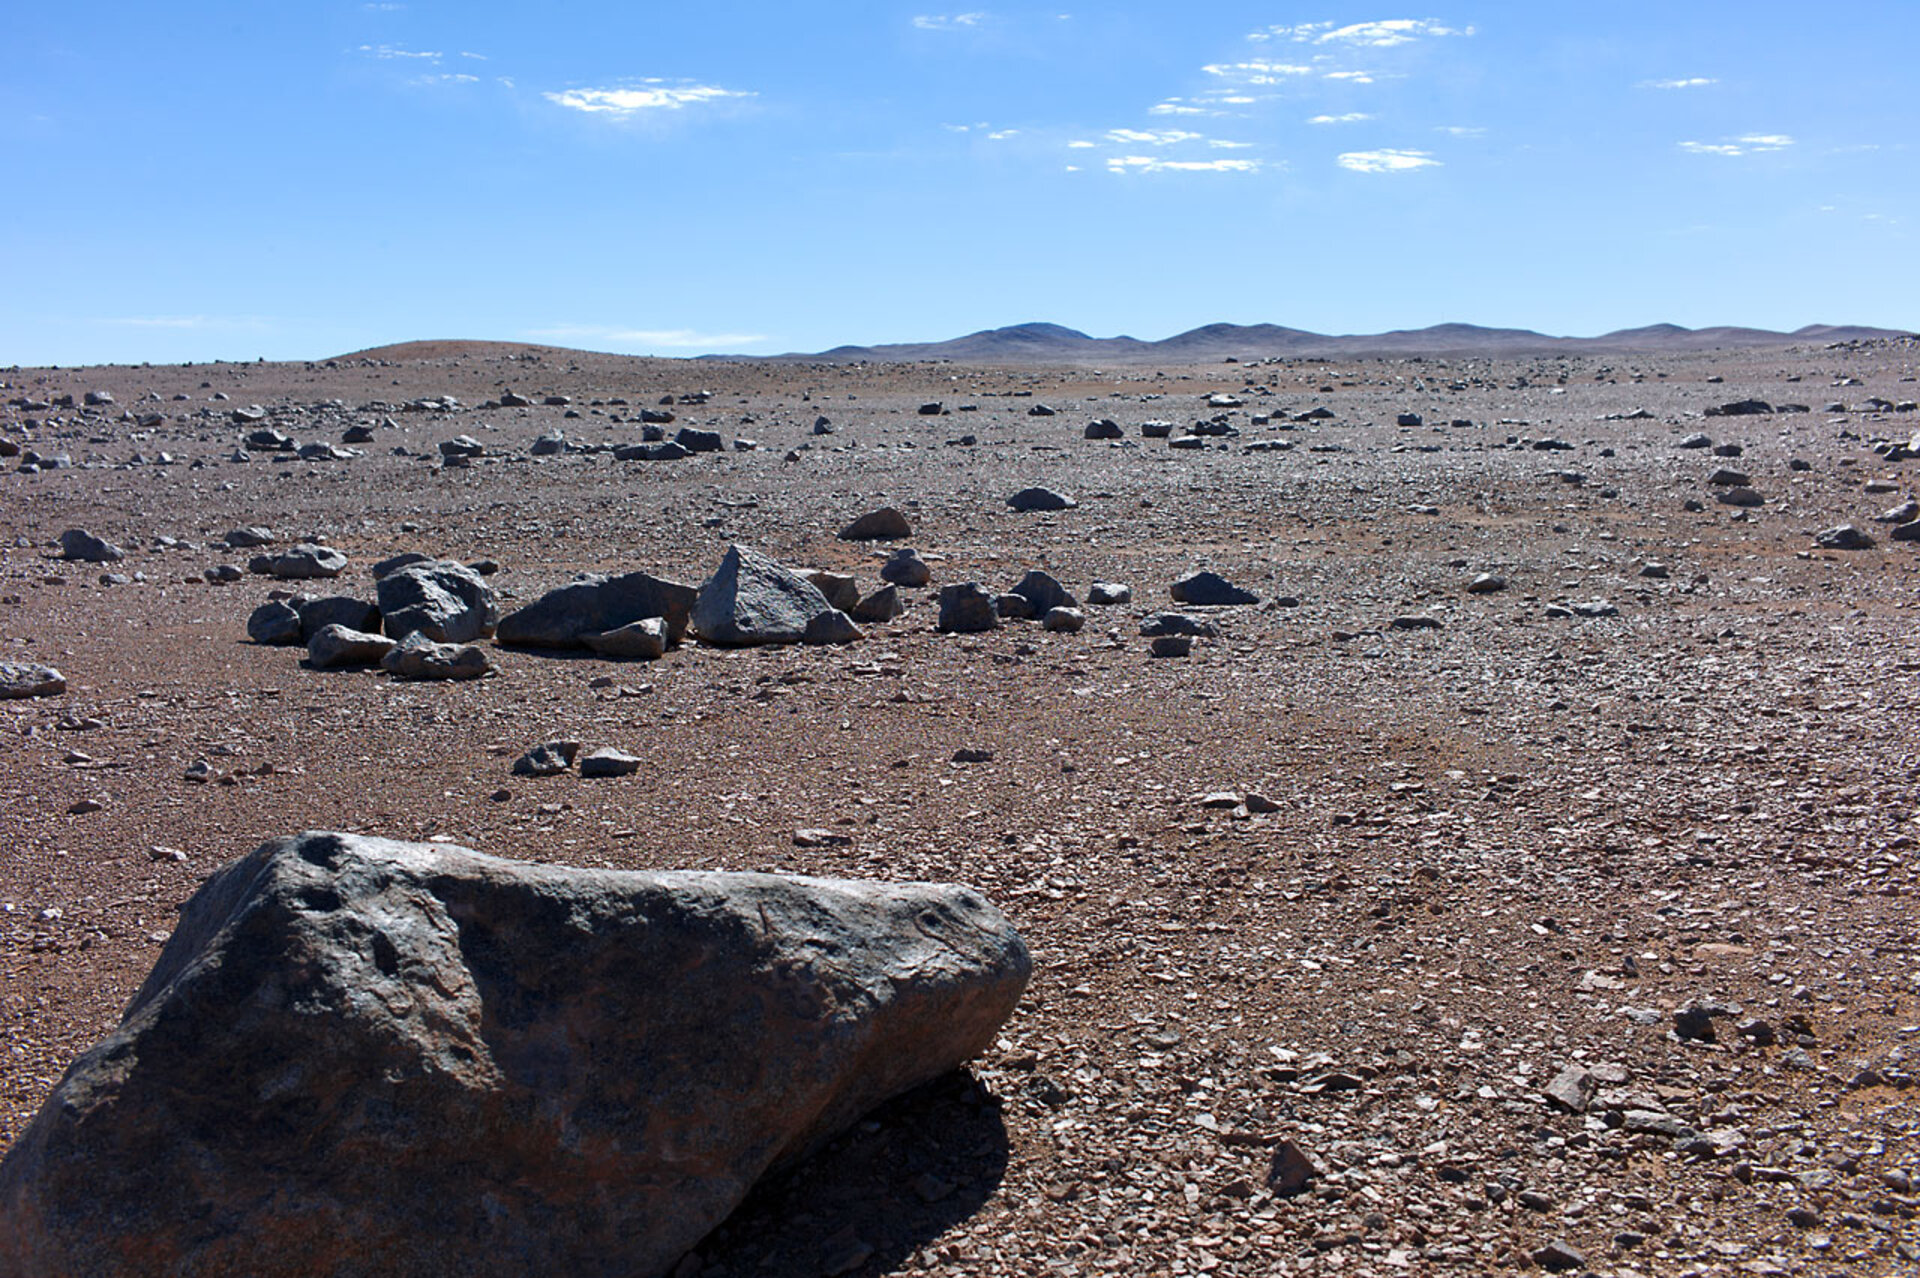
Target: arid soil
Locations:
point(1515, 842)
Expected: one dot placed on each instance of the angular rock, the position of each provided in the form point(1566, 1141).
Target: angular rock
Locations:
point(1107, 593)
point(606, 762)
point(1696, 440)
point(462, 446)
point(1177, 623)
point(1726, 477)
point(885, 524)
point(1103, 428)
point(1572, 1088)
point(305, 563)
point(1044, 592)
point(1905, 513)
point(840, 589)
point(76, 543)
point(750, 599)
point(316, 614)
point(643, 640)
point(333, 647)
point(548, 759)
point(1210, 590)
point(831, 626)
point(1171, 645)
point(966, 608)
point(1032, 499)
point(699, 441)
point(1842, 537)
point(1906, 532)
point(593, 605)
point(1012, 607)
point(549, 444)
point(418, 657)
point(904, 567)
point(881, 606)
point(22, 679)
point(357, 1056)
point(443, 600)
point(275, 622)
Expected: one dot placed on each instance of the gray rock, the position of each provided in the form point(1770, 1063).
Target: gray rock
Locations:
point(1171, 645)
point(642, 640)
point(316, 614)
point(1177, 623)
point(831, 626)
point(549, 444)
point(1032, 499)
point(396, 562)
point(1209, 590)
point(1740, 408)
point(418, 657)
point(249, 537)
point(840, 589)
point(548, 759)
point(904, 567)
point(606, 762)
point(78, 544)
point(1064, 620)
point(306, 563)
point(750, 599)
point(1739, 497)
point(1487, 583)
point(335, 646)
point(1416, 621)
point(1103, 428)
point(462, 446)
point(1905, 513)
point(222, 574)
point(1572, 1088)
point(1108, 593)
point(1842, 537)
point(443, 600)
point(266, 439)
point(1696, 440)
point(1906, 532)
point(1012, 607)
point(275, 622)
point(367, 1057)
point(1156, 430)
point(966, 608)
point(593, 605)
point(699, 441)
point(881, 606)
point(22, 679)
point(885, 524)
point(1044, 592)
point(1725, 477)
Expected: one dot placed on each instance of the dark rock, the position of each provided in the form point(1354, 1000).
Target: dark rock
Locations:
point(508, 399)
point(418, 657)
point(1012, 607)
point(1039, 410)
point(333, 647)
point(750, 599)
point(1727, 450)
point(78, 544)
point(594, 605)
point(933, 409)
point(333, 610)
point(1171, 645)
point(462, 446)
point(399, 561)
point(1559, 1257)
point(1104, 428)
point(1696, 440)
point(1417, 621)
point(1064, 620)
point(22, 679)
point(699, 441)
point(904, 567)
point(966, 608)
point(1156, 430)
point(266, 440)
point(275, 622)
point(886, 524)
point(1741, 408)
point(1290, 1171)
point(446, 601)
point(1409, 419)
point(1177, 623)
point(1745, 497)
point(366, 1057)
point(881, 606)
point(656, 417)
point(1906, 532)
point(1210, 590)
point(1905, 513)
point(357, 434)
point(549, 444)
point(1726, 478)
point(1487, 583)
point(1032, 499)
point(831, 626)
point(548, 759)
point(1044, 592)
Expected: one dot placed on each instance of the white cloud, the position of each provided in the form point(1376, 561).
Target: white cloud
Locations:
point(1219, 144)
point(1258, 71)
point(1352, 77)
point(1166, 137)
point(448, 78)
point(1746, 144)
point(1081, 146)
point(672, 338)
point(1694, 82)
point(1387, 161)
point(651, 96)
point(948, 22)
point(1001, 135)
point(388, 52)
point(1179, 106)
point(1155, 164)
point(477, 57)
point(1351, 117)
point(1460, 130)
point(1373, 35)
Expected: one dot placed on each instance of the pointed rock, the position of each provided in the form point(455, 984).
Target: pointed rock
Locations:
point(751, 599)
point(364, 1056)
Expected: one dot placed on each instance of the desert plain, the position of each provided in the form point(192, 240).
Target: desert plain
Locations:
point(1400, 927)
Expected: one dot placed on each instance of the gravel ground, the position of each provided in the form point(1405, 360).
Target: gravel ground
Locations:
point(1320, 913)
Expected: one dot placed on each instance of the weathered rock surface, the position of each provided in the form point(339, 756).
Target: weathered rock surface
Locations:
point(886, 524)
point(445, 601)
point(358, 1056)
point(22, 679)
point(881, 606)
point(77, 543)
point(334, 647)
point(1044, 592)
point(1210, 590)
point(302, 563)
point(274, 622)
point(751, 599)
point(418, 657)
point(904, 567)
point(318, 612)
point(643, 640)
point(593, 605)
point(966, 608)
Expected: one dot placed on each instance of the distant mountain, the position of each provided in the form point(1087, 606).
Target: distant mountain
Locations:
point(1054, 344)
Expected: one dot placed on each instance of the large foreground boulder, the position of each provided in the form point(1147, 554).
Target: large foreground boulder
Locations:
point(446, 601)
point(363, 1057)
point(593, 605)
point(752, 599)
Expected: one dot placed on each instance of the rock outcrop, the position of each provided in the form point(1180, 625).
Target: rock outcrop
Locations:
point(358, 1056)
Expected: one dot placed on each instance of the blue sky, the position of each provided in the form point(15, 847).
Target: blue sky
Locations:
point(301, 179)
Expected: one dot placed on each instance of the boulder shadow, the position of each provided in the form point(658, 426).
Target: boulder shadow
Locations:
point(895, 1183)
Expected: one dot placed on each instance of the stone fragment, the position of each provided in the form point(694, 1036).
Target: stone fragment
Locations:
point(885, 524)
point(447, 602)
point(881, 606)
point(305, 562)
point(462, 446)
point(1108, 593)
point(831, 626)
point(77, 543)
point(750, 599)
point(1487, 583)
point(418, 657)
point(966, 608)
point(904, 567)
point(22, 679)
point(275, 622)
point(335, 646)
point(1906, 532)
point(1064, 620)
point(593, 605)
point(1210, 590)
point(1171, 645)
point(1290, 1171)
point(1842, 537)
point(839, 588)
point(368, 1057)
point(607, 762)
point(548, 759)
point(643, 640)
point(1572, 1088)
point(1032, 499)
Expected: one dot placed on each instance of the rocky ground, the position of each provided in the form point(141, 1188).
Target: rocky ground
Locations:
point(1398, 928)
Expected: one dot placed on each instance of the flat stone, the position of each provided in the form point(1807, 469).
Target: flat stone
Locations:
point(1843, 537)
point(333, 647)
point(606, 762)
point(22, 679)
point(306, 562)
point(643, 640)
point(1040, 499)
point(1177, 623)
point(368, 1057)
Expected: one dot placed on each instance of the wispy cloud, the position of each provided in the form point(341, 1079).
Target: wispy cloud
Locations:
point(1351, 117)
point(1257, 71)
point(648, 97)
point(1158, 164)
point(447, 78)
point(1180, 106)
point(1001, 135)
point(1166, 137)
point(1352, 77)
point(1746, 144)
point(1372, 35)
point(948, 21)
point(1387, 160)
point(1693, 82)
point(389, 53)
point(667, 338)
point(1460, 130)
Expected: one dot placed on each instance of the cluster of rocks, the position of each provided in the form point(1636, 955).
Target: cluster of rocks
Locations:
point(553, 758)
point(421, 625)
